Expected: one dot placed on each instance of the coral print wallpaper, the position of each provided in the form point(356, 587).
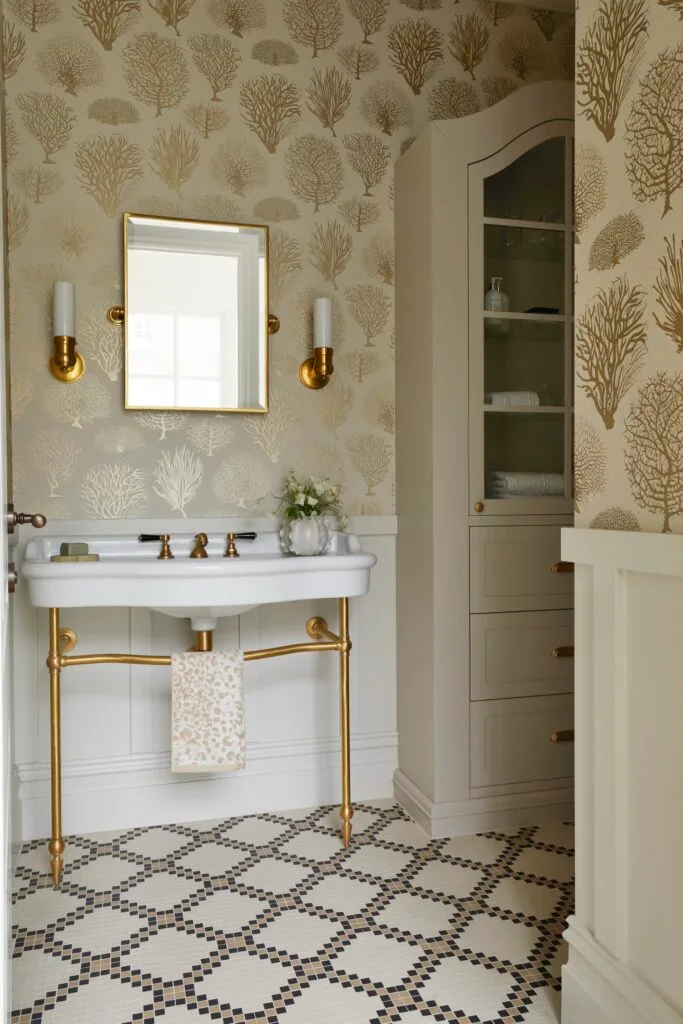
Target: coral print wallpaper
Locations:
point(629, 220)
point(286, 113)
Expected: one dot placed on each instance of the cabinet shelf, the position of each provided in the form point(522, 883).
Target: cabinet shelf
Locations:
point(534, 225)
point(557, 318)
point(533, 410)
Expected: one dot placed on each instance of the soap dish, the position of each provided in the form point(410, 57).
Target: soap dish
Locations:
point(74, 558)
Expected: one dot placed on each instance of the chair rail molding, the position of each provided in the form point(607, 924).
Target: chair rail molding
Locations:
point(626, 936)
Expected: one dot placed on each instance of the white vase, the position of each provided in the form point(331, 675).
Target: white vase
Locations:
point(305, 536)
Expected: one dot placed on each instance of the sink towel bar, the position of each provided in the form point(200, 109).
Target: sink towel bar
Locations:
point(63, 641)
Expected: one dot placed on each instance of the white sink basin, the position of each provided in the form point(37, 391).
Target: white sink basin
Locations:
point(129, 574)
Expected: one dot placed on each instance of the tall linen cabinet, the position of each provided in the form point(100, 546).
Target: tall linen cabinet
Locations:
point(484, 389)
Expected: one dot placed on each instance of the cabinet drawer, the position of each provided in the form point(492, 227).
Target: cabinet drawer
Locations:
point(510, 569)
point(510, 740)
point(512, 655)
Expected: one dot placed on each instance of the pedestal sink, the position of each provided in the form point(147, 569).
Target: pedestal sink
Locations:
point(129, 574)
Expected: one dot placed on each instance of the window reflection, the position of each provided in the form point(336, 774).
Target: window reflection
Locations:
point(196, 316)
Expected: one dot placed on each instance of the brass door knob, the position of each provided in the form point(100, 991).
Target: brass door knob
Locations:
point(35, 519)
point(479, 506)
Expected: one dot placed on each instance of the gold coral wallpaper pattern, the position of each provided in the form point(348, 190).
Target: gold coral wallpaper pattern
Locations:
point(289, 114)
point(629, 253)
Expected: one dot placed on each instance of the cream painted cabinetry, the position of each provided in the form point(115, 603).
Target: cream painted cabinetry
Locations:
point(484, 377)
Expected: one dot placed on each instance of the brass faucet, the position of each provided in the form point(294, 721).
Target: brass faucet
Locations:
point(231, 550)
point(199, 550)
point(165, 547)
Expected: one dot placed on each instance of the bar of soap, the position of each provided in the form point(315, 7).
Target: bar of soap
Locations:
point(74, 558)
point(73, 547)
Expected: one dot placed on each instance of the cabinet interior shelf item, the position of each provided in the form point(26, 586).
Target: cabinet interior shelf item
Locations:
point(552, 317)
point(532, 410)
point(534, 225)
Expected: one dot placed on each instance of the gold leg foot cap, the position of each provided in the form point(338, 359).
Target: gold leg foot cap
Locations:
point(57, 871)
point(346, 827)
point(55, 849)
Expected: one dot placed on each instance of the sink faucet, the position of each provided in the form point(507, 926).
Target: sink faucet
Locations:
point(165, 539)
point(199, 549)
point(231, 550)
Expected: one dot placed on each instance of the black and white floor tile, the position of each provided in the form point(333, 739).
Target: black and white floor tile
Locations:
point(266, 919)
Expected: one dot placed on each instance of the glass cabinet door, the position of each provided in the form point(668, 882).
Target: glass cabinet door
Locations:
point(521, 326)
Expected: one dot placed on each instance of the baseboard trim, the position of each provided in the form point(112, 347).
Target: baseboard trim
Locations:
point(598, 989)
point(141, 789)
point(482, 814)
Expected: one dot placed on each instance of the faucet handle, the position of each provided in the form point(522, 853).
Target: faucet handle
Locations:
point(231, 550)
point(165, 547)
point(199, 549)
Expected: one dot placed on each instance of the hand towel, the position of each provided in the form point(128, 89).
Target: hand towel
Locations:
point(509, 484)
point(207, 712)
point(516, 398)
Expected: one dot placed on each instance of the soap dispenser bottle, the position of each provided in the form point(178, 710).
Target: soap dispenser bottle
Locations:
point(496, 301)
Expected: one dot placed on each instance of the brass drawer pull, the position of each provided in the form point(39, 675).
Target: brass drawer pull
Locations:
point(563, 736)
point(562, 567)
point(563, 652)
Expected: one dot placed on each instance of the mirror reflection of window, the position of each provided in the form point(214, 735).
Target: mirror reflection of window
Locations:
point(196, 316)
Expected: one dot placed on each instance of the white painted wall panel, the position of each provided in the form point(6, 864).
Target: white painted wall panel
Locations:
point(626, 937)
point(654, 826)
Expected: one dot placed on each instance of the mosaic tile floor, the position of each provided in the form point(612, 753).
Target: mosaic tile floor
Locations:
point(266, 919)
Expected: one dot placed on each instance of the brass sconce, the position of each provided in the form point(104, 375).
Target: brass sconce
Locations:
point(66, 364)
point(117, 314)
point(316, 371)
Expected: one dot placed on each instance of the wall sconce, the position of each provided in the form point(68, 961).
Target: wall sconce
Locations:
point(316, 371)
point(66, 364)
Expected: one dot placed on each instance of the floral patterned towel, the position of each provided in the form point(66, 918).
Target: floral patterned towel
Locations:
point(207, 712)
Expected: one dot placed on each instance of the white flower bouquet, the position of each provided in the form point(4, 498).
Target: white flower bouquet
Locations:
point(305, 497)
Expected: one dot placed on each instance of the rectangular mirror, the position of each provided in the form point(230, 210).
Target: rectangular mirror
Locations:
point(196, 315)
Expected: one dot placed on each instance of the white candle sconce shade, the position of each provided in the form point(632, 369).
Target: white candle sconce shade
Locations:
point(316, 371)
point(66, 364)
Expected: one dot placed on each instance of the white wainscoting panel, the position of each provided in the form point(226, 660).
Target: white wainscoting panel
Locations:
point(626, 937)
point(116, 718)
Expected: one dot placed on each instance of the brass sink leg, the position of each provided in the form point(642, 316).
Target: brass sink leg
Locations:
point(346, 809)
point(63, 640)
point(56, 844)
point(204, 640)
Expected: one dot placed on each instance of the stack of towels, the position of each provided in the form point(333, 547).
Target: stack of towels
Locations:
point(505, 484)
point(511, 398)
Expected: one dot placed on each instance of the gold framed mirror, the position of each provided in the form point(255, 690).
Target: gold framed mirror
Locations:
point(196, 315)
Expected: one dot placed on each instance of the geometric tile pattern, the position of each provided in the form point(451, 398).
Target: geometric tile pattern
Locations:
point(266, 919)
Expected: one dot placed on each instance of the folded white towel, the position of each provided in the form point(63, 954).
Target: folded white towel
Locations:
point(207, 712)
point(509, 484)
point(516, 398)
